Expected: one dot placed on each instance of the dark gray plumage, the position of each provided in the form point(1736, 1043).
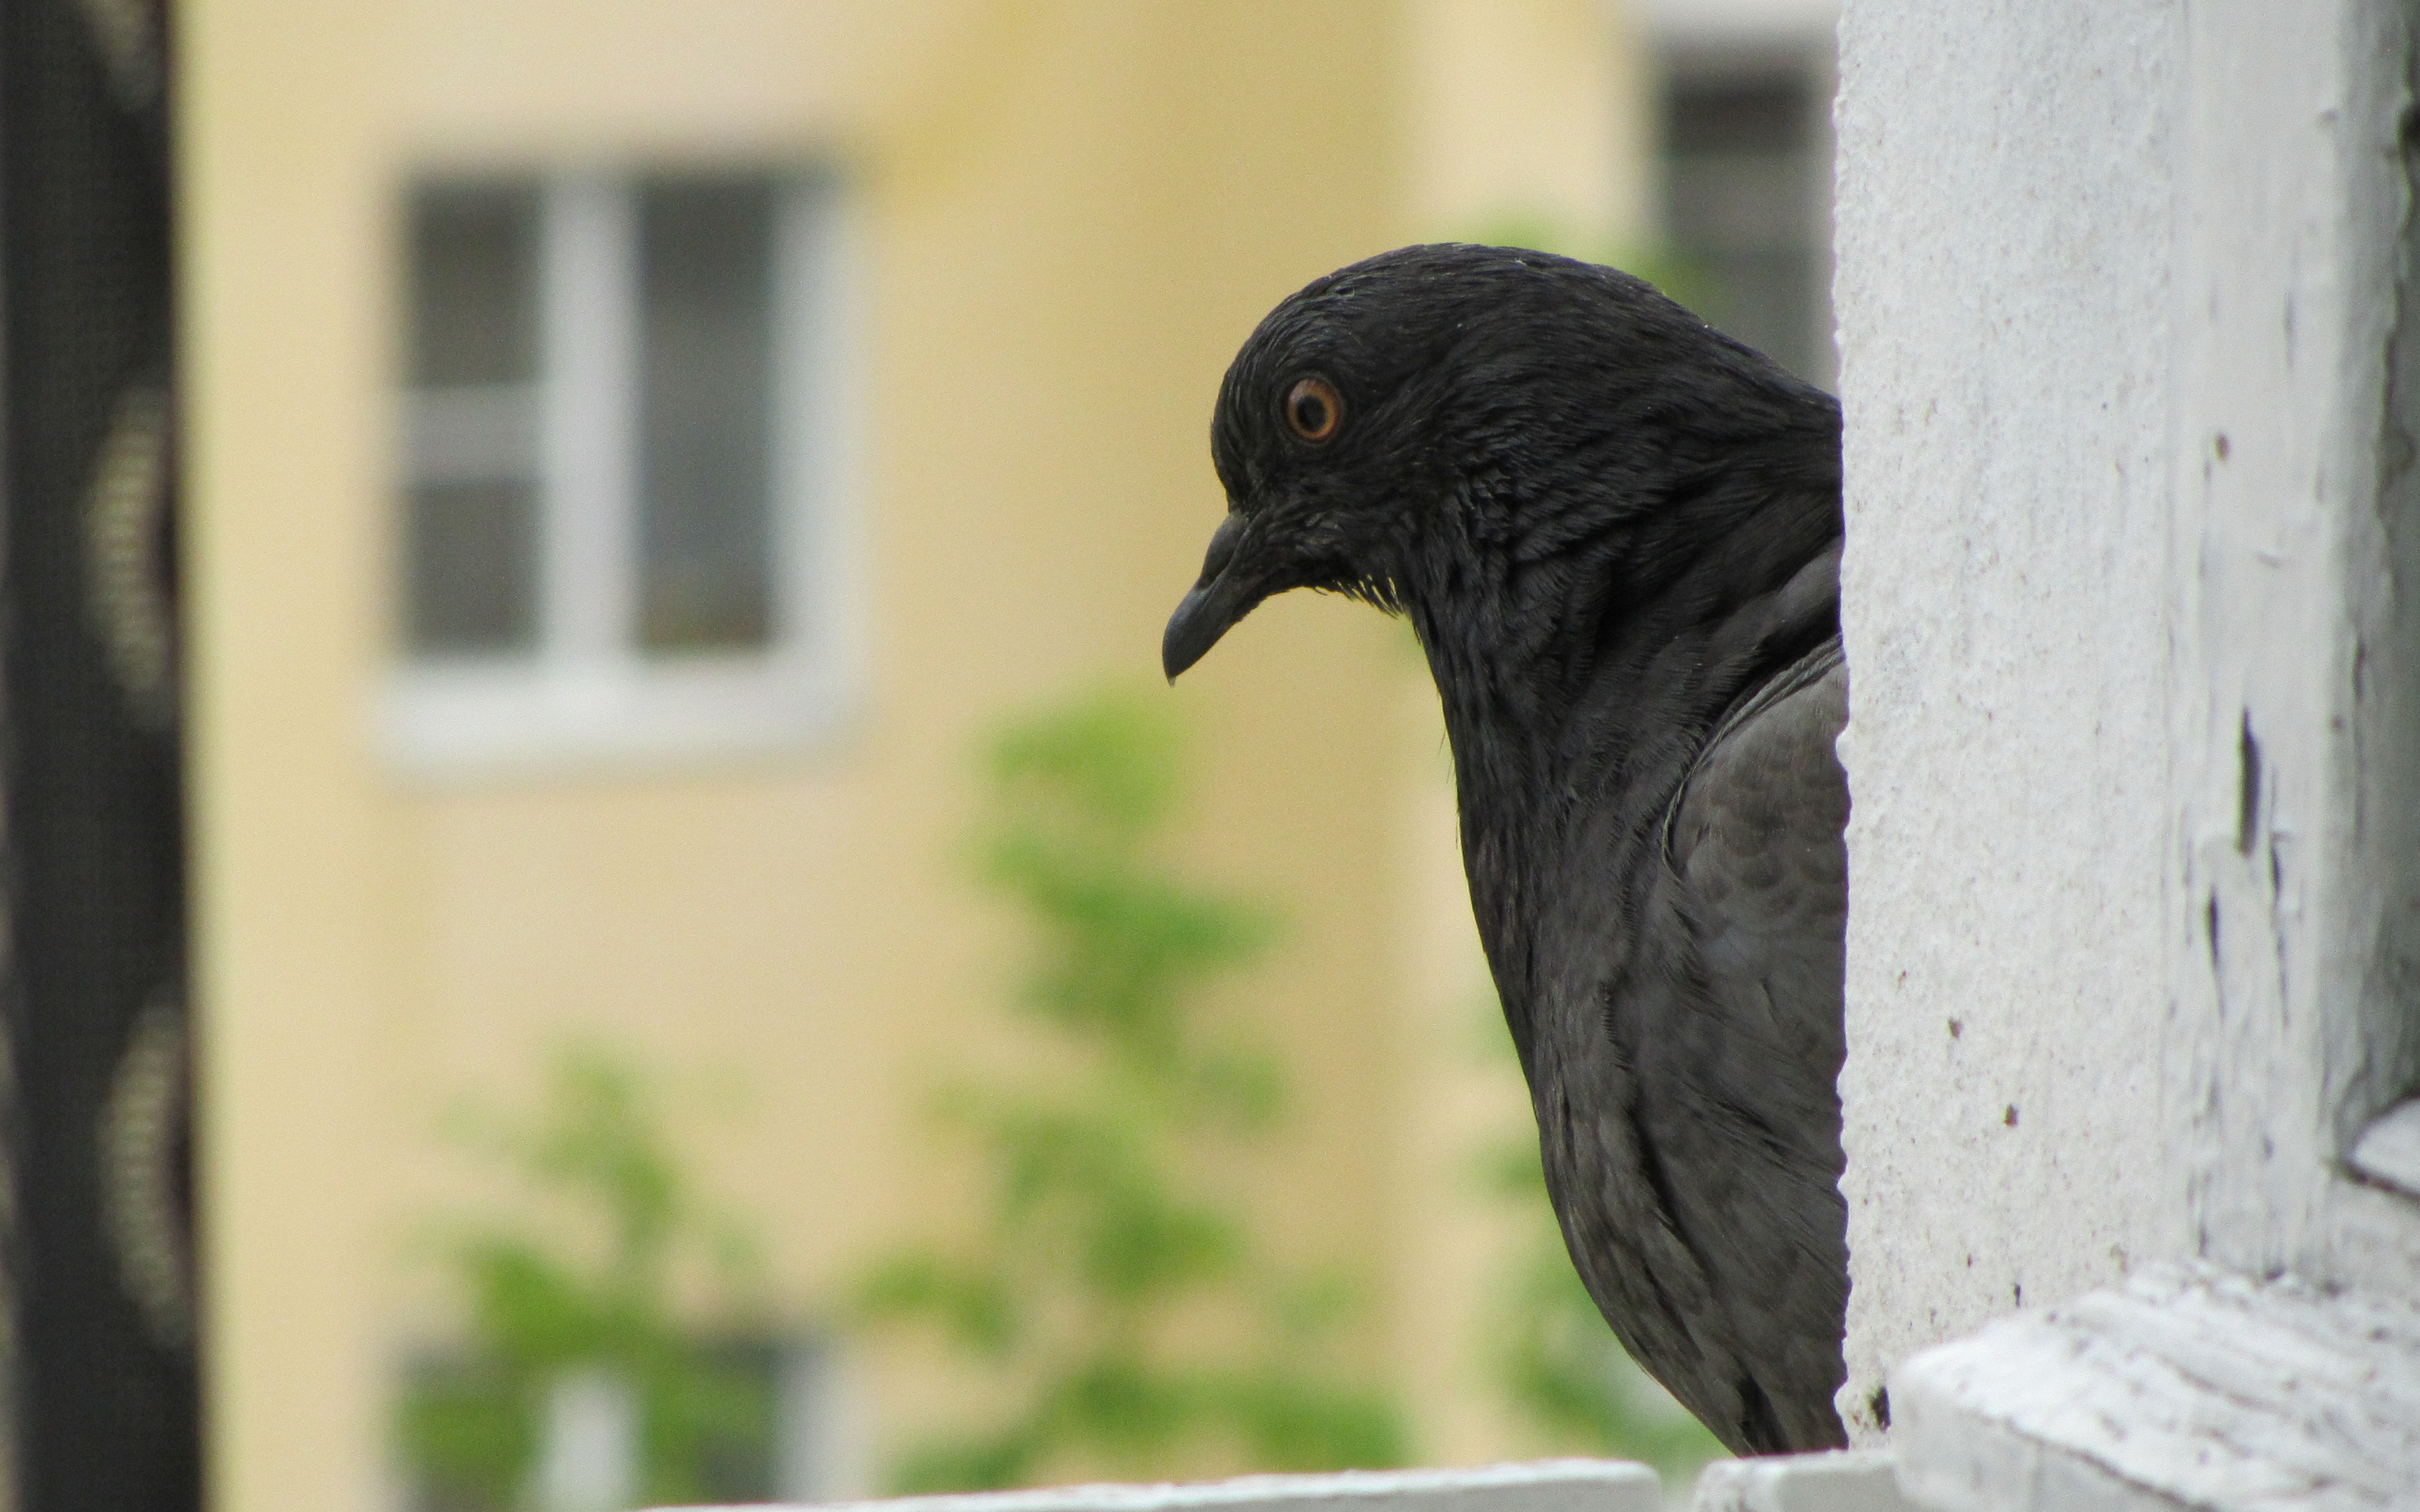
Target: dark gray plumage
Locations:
point(1617, 533)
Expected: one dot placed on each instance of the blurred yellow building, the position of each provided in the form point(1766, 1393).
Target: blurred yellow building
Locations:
point(567, 769)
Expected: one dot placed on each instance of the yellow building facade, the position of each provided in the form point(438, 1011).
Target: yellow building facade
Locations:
point(1062, 220)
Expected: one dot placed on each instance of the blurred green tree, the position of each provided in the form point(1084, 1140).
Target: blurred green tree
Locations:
point(592, 1291)
point(1101, 1234)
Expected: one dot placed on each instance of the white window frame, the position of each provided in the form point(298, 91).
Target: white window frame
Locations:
point(586, 693)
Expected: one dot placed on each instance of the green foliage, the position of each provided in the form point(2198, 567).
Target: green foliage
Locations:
point(1101, 1235)
point(591, 1290)
point(1558, 1364)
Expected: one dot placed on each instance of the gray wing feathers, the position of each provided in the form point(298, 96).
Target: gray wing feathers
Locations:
point(1712, 1166)
point(1762, 874)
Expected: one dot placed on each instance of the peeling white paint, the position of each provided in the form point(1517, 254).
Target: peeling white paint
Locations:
point(2295, 712)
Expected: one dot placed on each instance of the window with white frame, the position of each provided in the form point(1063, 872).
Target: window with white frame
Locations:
point(623, 468)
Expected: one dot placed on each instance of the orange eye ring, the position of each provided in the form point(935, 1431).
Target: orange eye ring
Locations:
point(1314, 412)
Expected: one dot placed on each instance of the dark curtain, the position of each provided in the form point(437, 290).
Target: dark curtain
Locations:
point(95, 1208)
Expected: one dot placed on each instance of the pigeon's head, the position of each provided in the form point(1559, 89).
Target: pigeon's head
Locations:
point(1401, 412)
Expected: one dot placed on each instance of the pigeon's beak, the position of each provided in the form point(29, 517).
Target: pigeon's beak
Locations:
point(1218, 599)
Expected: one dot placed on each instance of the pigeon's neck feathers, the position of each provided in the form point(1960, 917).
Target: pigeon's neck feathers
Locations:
point(1577, 610)
point(1582, 682)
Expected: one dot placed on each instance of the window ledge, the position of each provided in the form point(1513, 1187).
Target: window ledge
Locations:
point(1845, 1480)
point(1544, 1485)
point(444, 725)
point(2190, 1386)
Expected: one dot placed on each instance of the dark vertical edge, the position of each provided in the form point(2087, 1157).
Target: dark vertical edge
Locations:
point(2385, 1067)
point(102, 1405)
point(13, 1370)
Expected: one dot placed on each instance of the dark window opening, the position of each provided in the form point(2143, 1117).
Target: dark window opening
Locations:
point(1746, 206)
point(707, 297)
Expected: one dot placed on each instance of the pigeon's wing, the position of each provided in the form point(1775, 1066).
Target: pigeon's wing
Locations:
point(1739, 1090)
point(1691, 1123)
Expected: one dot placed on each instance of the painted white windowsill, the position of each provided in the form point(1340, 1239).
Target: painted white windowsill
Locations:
point(1843, 1480)
point(2188, 1387)
point(1545, 1486)
point(468, 722)
point(1848, 1481)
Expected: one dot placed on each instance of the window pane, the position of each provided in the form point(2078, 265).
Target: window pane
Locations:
point(474, 285)
point(1741, 182)
point(471, 453)
point(706, 260)
point(473, 567)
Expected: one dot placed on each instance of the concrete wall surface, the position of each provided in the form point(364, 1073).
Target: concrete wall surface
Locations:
point(2132, 518)
point(2003, 243)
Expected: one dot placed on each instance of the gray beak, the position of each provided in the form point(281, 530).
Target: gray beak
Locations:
point(1218, 599)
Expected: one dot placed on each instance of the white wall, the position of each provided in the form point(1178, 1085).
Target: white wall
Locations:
point(2003, 238)
point(2136, 699)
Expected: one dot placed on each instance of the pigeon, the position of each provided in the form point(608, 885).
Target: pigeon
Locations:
point(1617, 533)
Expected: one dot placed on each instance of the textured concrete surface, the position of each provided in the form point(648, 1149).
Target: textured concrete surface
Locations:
point(2135, 908)
point(2004, 236)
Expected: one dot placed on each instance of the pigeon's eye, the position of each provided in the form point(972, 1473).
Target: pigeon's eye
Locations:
point(1314, 410)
